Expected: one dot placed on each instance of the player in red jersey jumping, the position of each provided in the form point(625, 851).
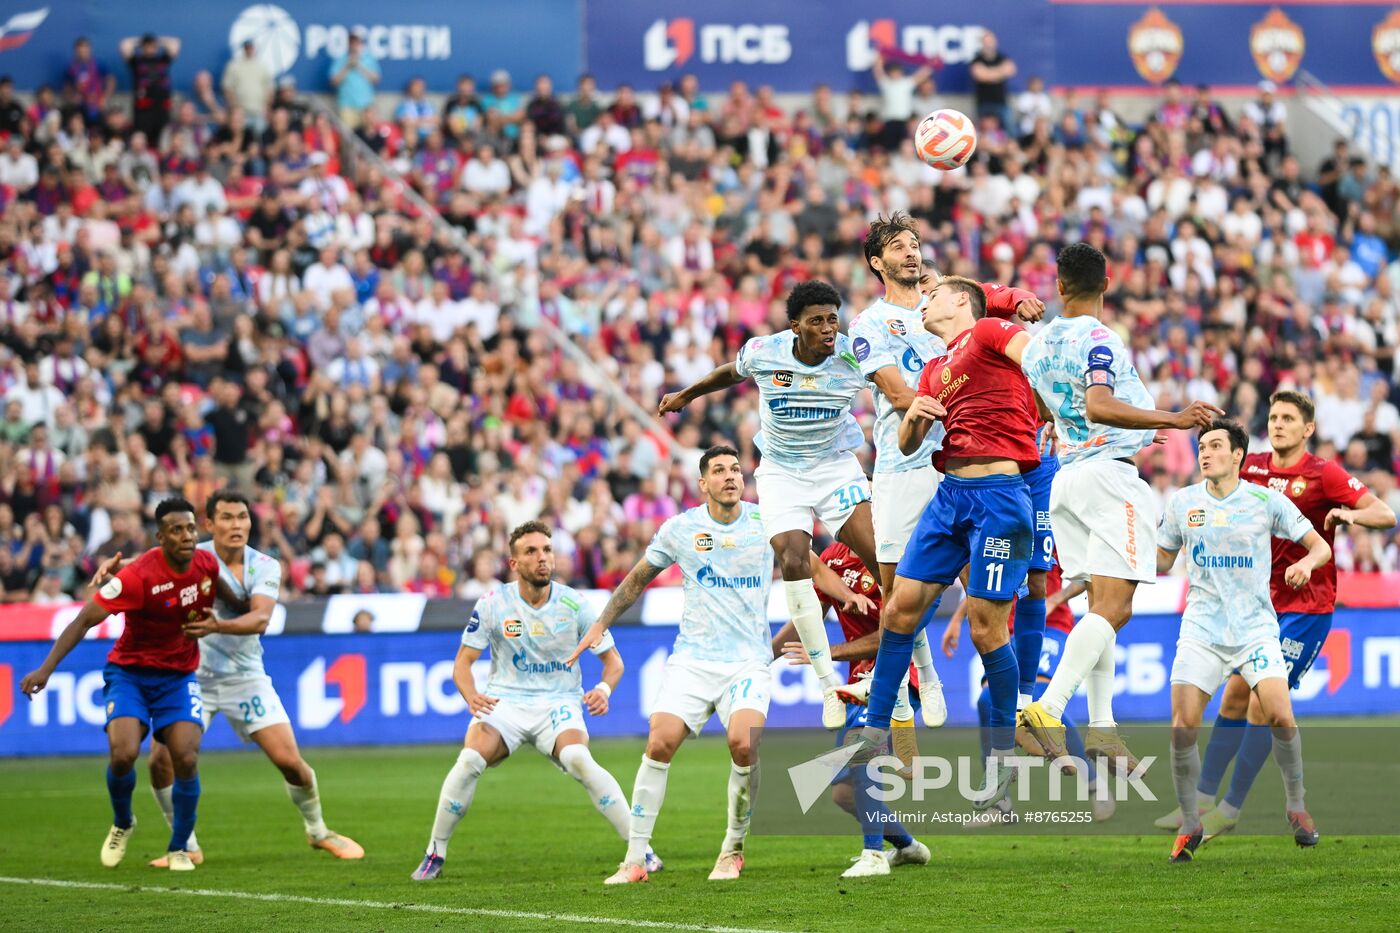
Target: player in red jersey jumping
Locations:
point(149, 682)
point(1328, 496)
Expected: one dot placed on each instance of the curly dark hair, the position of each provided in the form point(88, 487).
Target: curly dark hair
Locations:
point(806, 294)
point(1082, 270)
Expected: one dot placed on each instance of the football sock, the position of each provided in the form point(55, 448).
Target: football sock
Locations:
point(891, 667)
point(167, 809)
point(1027, 641)
point(120, 787)
point(740, 808)
point(922, 657)
point(1100, 686)
point(1288, 752)
point(647, 795)
point(455, 799)
point(984, 720)
point(876, 823)
point(1000, 667)
point(184, 796)
point(1224, 743)
point(1254, 751)
point(308, 801)
point(1186, 772)
point(806, 612)
point(1083, 648)
point(602, 787)
point(903, 710)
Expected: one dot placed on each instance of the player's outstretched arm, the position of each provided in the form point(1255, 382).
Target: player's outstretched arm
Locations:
point(596, 700)
point(1006, 301)
point(830, 583)
point(1102, 407)
point(1370, 511)
point(477, 703)
point(239, 604)
point(1165, 559)
point(1063, 595)
point(722, 377)
point(888, 380)
point(1319, 553)
point(252, 622)
point(91, 614)
point(622, 599)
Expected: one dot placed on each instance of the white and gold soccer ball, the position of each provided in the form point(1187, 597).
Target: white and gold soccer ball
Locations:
point(946, 139)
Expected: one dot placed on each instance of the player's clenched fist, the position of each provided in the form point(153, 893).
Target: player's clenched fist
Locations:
point(1198, 415)
point(1297, 575)
point(671, 401)
point(925, 406)
point(203, 623)
point(596, 702)
point(1031, 310)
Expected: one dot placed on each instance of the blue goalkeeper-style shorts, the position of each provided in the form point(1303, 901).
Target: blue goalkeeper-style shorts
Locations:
point(1038, 481)
point(984, 524)
point(157, 698)
point(1301, 636)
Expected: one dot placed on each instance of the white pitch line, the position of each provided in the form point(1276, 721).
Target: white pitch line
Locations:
point(380, 905)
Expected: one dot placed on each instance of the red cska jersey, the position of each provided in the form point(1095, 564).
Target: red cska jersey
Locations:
point(158, 602)
point(853, 573)
point(1315, 486)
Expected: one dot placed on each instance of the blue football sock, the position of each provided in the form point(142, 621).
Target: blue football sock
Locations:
point(875, 821)
point(932, 611)
point(1254, 751)
point(1224, 744)
point(1000, 666)
point(899, 840)
point(120, 788)
point(984, 720)
point(890, 666)
point(184, 795)
point(1027, 641)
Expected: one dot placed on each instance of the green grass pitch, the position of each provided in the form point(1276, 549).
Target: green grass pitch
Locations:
point(533, 846)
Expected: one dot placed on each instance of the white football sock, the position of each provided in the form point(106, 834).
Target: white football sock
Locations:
point(455, 798)
point(740, 808)
point(602, 787)
point(1100, 685)
point(648, 793)
point(806, 612)
point(167, 808)
point(923, 659)
point(1288, 752)
point(903, 710)
point(308, 801)
point(1083, 648)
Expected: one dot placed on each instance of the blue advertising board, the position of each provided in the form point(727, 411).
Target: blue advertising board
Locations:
point(397, 688)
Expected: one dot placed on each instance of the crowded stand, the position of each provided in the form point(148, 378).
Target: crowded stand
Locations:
point(235, 287)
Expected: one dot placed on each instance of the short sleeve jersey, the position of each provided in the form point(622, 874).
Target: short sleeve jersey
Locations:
point(239, 654)
point(885, 335)
point(804, 411)
point(158, 602)
point(1229, 559)
point(728, 574)
point(1067, 357)
point(528, 644)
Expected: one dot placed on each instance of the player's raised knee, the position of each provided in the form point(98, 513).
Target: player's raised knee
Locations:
point(741, 749)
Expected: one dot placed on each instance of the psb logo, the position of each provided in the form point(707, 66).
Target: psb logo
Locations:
point(951, 43)
point(1196, 518)
point(1155, 46)
point(1385, 45)
point(315, 709)
point(513, 628)
point(1277, 44)
point(704, 541)
point(782, 379)
point(672, 43)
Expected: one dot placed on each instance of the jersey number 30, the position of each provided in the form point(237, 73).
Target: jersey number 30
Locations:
point(848, 497)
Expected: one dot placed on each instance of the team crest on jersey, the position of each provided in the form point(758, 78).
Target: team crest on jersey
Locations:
point(782, 379)
point(1221, 519)
point(728, 541)
point(867, 583)
point(704, 541)
point(537, 630)
point(513, 628)
point(1297, 487)
point(897, 327)
point(808, 382)
point(1195, 518)
point(205, 586)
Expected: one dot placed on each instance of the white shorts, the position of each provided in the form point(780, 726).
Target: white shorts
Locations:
point(1105, 522)
point(539, 723)
point(789, 500)
point(692, 690)
point(1206, 666)
point(899, 500)
point(248, 701)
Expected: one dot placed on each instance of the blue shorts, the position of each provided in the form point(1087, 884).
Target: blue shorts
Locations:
point(157, 698)
point(1302, 635)
point(1038, 481)
point(984, 524)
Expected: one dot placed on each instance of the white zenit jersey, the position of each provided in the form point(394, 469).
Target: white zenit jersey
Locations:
point(884, 335)
point(1229, 558)
point(239, 654)
point(1062, 361)
point(529, 645)
point(728, 571)
point(804, 411)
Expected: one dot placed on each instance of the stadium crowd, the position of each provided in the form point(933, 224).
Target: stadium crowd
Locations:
point(209, 289)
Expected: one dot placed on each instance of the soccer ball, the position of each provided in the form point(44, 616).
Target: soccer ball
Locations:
point(946, 139)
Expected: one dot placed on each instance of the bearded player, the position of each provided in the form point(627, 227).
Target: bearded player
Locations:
point(807, 378)
point(149, 683)
point(1328, 496)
